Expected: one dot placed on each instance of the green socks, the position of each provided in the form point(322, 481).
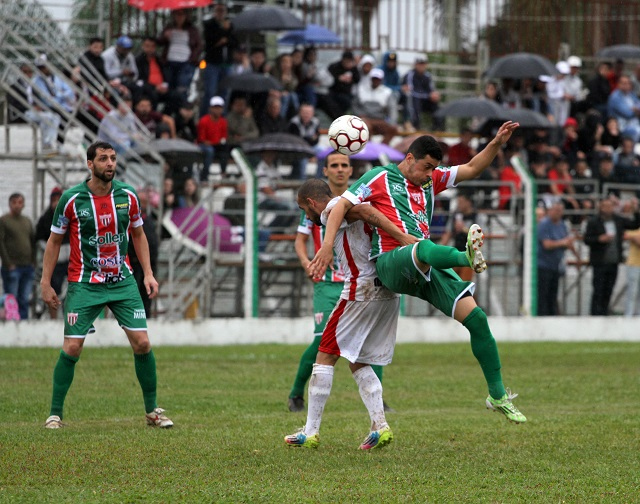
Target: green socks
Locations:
point(378, 371)
point(440, 256)
point(305, 368)
point(146, 373)
point(62, 378)
point(484, 348)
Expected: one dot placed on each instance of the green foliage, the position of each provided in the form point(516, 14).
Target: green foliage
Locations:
point(229, 407)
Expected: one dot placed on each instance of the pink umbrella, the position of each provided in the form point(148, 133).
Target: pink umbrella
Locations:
point(371, 152)
point(191, 225)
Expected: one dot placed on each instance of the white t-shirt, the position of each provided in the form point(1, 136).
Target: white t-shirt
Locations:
point(179, 50)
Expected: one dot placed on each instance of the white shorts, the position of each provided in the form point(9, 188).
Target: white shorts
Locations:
point(362, 331)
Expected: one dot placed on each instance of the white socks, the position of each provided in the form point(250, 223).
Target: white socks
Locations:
point(371, 394)
point(319, 390)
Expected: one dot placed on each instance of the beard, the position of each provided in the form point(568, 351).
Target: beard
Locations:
point(104, 177)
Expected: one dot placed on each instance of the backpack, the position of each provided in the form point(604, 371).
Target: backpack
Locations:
point(9, 308)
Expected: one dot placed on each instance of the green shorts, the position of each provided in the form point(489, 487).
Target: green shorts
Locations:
point(442, 288)
point(85, 301)
point(325, 298)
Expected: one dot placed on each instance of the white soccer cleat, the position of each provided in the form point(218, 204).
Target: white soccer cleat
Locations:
point(475, 240)
point(53, 422)
point(157, 418)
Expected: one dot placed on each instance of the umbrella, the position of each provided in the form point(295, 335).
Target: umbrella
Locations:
point(152, 5)
point(312, 34)
point(294, 147)
point(250, 82)
point(266, 18)
point(621, 51)
point(471, 107)
point(526, 118)
point(521, 65)
point(190, 226)
point(173, 150)
point(371, 152)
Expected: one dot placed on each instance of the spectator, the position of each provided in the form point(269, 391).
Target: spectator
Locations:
point(18, 253)
point(365, 65)
point(92, 64)
point(271, 120)
point(190, 194)
point(258, 61)
point(606, 175)
point(599, 88)
point(553, 240)
point(324, 97)
point(584, 183)
point(119, 127)
point(633, 272)
point(611, 137)
point(43, 230)
point(219, 42)
point(185, 122)
point(308, 78)
point(562, 183)
point(533, 94)
point(590, 138)
point(150, 230)
point(52, 89)
point(268, 177)
point(603, 236)
point(212, 138)
point(625, 107)
point(462, 152)
point(26, 106)
point(345, 75)
point(570, 145)
point(391, 75)
point(119, 64)
point(556, 94)
point(635, 80)
point(614, 75)
point(151, 119)
point(181, 55)
point(151, 81)
point(239, 61)
point(307, 126)
point(574, 87)
point(283, 73)
point(627, 162)
point(241, 124)
point(419, 87)
point(510, 186)
point(376, 106)
point(170, 199)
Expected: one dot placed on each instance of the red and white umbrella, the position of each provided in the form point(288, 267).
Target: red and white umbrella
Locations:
point(153, 5)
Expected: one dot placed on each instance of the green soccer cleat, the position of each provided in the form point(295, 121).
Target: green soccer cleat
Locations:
point(377, 439)
point(475, 240)
point(300, 439)
point(506, 407)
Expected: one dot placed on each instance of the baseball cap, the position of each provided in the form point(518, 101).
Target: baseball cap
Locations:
point(422, 59)
point(574, 61)
point(570, 122)
point(563, 67)
point(56, 191)
point(41, 60)
point(392, 56)
point(376, 73)
point(125, 42)
point(216, 101)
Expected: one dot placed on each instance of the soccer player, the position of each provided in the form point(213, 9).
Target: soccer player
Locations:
point(327, 289)
point(405, 194)
point(362, 327)
point(100, 216)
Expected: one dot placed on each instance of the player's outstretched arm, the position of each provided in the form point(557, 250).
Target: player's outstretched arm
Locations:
point(142, 251)
point(481, 161)
point(51, 253)
point(376, 218)
point(324, 256)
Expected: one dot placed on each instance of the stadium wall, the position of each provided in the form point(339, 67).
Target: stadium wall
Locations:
point(236, 331)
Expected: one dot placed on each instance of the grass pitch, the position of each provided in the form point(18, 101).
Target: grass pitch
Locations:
point(229, 405)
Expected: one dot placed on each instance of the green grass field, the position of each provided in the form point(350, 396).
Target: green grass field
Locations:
point(581, 443)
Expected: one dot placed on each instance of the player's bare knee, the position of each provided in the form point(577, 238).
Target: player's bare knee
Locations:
point(73, 346)
point(326, 359)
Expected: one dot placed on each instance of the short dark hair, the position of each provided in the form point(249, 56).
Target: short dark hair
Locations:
point(425, 146)
point(150, 38)
point(93, 40)
point(93, 149)
point(316, 189)
point(15, 195)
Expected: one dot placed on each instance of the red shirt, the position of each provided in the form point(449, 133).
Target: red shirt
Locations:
point(212, 131)
point(459, 154)
point(507, 175)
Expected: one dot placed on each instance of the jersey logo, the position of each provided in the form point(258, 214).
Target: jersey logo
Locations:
point(122, 206)
point(62, 221)
point(428, 184)
point(417, 197)
point(105, 220)
point(318, 317)
point(72, 318)
point(107, 239)
point(397, 188)
point(84, 212)
point(363, 192)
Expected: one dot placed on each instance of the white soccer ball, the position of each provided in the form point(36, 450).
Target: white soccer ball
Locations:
point(348, 134)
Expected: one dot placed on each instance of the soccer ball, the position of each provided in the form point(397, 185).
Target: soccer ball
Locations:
point(348, 134)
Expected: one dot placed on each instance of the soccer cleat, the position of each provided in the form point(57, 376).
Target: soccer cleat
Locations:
point(377, 439)
point(157, 418)
point(506, 407)
point(300, 439)
point(296, 404)
point(475, 240)
point(53, 422)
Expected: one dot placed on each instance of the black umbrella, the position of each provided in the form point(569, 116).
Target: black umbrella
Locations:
point(526, 118)
point(471, 107)
point(621, 51)
point(266, 18)
point(521, 65)
point(250, 82)
point(292, 146)
point(173, 150)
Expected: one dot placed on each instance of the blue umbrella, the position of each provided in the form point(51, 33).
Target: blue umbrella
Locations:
point(371, 152)
point(312, 34)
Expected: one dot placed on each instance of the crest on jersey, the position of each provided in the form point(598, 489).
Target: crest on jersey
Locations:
point(318, 317)
point(417, 197)
point(105, 220)
point(72, 318)
point(84, 212)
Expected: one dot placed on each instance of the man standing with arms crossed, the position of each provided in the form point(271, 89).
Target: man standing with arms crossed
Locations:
point(405, 194)
point(100, 216)
point(326, 288)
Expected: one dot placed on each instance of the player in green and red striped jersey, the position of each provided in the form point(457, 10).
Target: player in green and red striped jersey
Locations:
point(327, 289)
point(100, 216)
point(405, 194)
